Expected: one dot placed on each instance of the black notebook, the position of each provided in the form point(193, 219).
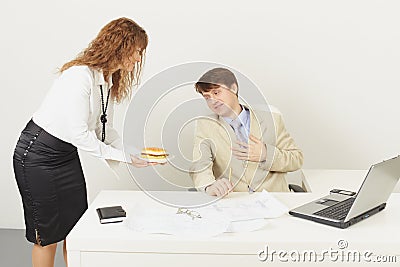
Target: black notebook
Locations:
point(111, 214)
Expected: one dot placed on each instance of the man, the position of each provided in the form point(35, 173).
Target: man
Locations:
point(238, 148)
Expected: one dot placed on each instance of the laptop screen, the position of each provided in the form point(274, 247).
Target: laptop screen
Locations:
point(377, 186)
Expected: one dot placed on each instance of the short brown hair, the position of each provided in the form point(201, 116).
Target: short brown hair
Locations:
point(215, 78)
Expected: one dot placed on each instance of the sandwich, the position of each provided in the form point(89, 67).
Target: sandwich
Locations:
point(153, 153)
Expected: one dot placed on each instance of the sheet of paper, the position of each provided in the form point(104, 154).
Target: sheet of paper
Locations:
point(169, 222)
point(242, 214)
point(249, 207)
point(246, 226)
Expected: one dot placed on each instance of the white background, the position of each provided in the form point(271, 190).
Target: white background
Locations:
point(331, 67)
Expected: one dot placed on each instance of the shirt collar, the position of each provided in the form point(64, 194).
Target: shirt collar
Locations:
point(243, 116)
point(99, 78)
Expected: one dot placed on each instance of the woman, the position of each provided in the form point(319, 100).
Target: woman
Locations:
point(76, 113)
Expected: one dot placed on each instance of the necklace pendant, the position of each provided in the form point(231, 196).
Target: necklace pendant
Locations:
point(103, 118)
point(250, 189)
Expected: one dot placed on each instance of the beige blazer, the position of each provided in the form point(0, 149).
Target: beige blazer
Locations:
point(213, 158)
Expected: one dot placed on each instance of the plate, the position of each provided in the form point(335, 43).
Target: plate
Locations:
point(163, 160)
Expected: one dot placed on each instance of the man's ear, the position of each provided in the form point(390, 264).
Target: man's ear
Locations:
point(234, 88)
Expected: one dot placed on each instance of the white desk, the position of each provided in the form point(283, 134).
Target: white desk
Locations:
point(93, 244)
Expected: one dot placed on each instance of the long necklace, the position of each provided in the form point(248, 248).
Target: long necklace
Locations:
point(251, 190)
point(103, 117)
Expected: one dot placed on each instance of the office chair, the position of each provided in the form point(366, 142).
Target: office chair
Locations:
point(296, 188)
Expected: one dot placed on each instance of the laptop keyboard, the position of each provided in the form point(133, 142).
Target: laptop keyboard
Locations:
point(337, 211)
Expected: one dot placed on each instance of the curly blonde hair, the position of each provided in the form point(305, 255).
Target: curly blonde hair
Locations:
point(116, 42)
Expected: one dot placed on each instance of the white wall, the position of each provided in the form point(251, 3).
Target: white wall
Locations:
point(332, 67)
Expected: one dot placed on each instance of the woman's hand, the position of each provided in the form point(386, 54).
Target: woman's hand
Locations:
point(140, 163)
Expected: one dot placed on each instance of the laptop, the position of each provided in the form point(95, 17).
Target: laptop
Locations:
point(343, 208)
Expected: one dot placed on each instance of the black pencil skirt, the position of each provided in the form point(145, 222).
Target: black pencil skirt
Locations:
point(51, 183)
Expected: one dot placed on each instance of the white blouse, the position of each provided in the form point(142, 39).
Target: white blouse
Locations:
point(71, 112)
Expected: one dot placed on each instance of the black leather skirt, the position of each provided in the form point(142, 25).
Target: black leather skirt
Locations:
point(51, 183)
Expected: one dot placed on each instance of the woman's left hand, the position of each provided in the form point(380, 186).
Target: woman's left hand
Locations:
point(140, 163)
